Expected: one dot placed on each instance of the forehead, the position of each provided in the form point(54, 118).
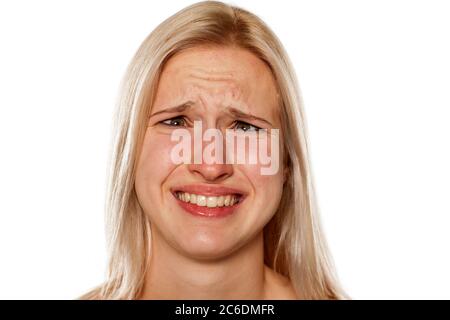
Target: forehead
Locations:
point(218, 76)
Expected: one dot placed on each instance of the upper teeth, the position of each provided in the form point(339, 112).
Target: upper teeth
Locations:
point(208, 201)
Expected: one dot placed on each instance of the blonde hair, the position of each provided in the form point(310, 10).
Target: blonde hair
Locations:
point(294, 245)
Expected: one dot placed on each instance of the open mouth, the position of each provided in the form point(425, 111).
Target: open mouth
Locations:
point(208, 201)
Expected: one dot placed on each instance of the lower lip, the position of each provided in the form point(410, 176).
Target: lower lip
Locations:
point(205, 211)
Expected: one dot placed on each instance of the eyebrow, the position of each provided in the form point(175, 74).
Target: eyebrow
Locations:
point(239, 114)
point(230, 110)
point(180, 108)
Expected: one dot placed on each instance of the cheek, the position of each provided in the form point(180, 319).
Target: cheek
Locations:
point(263, 184)
point(154, 164)
point(267, 190)
point(266, 175)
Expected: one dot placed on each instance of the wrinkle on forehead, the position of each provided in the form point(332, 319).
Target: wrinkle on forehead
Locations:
point(217, 92)
point(219, 77)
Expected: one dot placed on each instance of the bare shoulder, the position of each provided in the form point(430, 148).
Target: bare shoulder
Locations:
point(279, 287)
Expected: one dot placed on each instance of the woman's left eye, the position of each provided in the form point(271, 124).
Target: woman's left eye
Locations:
point(175, 122)
point(244, 126)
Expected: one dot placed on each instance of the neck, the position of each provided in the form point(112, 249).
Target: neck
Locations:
point(171, 275)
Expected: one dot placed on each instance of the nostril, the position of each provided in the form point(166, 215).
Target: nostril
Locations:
point(212, 172)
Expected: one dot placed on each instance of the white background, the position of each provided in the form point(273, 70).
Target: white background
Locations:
point(375, 77)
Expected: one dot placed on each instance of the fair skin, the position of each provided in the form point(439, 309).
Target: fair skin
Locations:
point(197, 257)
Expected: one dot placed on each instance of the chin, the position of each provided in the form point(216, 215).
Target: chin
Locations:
point(205, 246)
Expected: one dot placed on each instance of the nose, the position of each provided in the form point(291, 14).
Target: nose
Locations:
point(211, 172)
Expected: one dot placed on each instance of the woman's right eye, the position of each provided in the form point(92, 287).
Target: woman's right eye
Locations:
point(175, 122)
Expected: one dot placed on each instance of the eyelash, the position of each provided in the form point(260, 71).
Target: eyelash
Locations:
point(171, 119)
point(235, 123)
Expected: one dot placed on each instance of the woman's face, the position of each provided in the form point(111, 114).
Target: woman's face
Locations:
point(202, 210)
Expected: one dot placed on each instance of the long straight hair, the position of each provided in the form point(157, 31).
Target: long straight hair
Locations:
point(294, 244)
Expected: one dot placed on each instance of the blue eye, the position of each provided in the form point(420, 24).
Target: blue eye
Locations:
point(244, 126)
point(175, 122)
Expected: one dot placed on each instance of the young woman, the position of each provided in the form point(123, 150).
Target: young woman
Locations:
point(212, 230)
